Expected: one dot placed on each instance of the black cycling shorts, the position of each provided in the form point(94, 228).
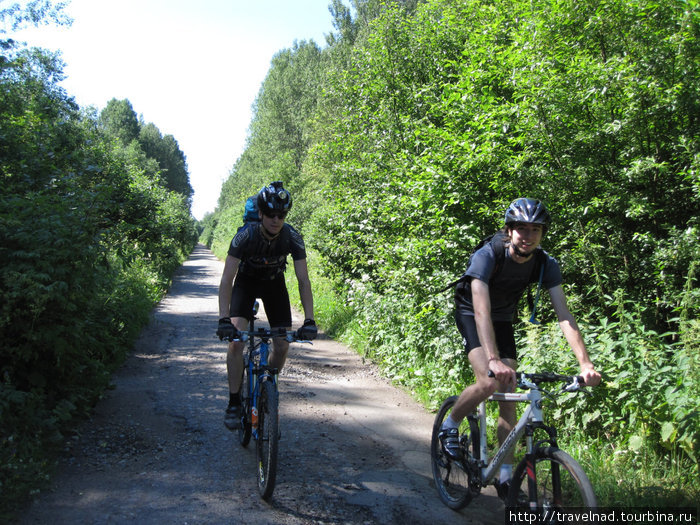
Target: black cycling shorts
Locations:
point(273, 294)
point(504, 331)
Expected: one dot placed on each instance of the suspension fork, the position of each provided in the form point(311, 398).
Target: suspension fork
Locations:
point(532, 453)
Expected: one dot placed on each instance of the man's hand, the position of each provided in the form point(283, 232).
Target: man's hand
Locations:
point(226, 330)
point(590, 376)
point(307, 331)
point(503, 373)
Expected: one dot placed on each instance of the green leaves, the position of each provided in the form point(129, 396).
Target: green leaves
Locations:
point(88, 240)
point(408, 136)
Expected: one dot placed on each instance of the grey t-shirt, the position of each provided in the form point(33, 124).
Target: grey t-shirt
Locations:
point(508, 286)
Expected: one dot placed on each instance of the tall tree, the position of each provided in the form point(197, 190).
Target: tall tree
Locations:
point(171, 160)
point(119, 120)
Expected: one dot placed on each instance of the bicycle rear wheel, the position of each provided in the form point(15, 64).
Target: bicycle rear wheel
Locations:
point(244, 430)
point(452, 478)
point(559, 484)
point(268, 438)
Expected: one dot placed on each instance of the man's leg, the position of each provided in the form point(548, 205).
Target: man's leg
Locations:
point(507, 411)
point(474, 394)
point(506, 422)
point(467, 402)
point(278, 355)
point(234, 357)
point(234, 368)
point(279, 314)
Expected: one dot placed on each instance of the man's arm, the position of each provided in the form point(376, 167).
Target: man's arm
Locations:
point(307, 299)
point(226, 284)
point(568, 326)
point(484, 327)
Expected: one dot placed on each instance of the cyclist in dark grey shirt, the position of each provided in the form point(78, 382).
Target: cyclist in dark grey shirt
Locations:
point(254, 268)
point(485, 308)
point(507, 287)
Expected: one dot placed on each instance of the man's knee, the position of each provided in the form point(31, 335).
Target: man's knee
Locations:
point(486, 387)
point(236, 348)
point(281, 346)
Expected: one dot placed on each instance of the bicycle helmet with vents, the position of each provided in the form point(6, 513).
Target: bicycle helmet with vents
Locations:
point(526, 210)
point(274, 198)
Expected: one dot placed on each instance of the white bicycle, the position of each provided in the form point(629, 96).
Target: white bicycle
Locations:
point(545, 481)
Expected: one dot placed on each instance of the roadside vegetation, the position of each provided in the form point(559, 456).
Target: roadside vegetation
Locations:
point(404, 139)
point(94, 218)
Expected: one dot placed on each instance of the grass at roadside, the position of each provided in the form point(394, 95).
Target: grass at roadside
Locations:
point(627, 478)
point(332, 313)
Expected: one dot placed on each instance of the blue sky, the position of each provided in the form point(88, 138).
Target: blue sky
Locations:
point(192, 67)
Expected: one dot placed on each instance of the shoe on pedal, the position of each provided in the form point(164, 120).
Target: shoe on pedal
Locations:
point(232, 418)
point(449, 439)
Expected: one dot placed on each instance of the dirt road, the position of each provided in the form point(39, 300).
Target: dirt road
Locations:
point(354, 449)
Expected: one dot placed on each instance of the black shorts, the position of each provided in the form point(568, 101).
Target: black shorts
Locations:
point(504, 331)
point(272, 292)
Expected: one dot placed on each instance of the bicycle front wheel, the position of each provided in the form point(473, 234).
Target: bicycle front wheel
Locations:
point(557, 481)
point(268, 438)
point(452, 479)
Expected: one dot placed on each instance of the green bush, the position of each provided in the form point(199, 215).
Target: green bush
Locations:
point(88, 241)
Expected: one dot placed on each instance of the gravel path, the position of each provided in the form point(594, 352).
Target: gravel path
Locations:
point(354, 448)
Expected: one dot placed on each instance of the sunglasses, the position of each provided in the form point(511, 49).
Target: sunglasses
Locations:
point(275, 214)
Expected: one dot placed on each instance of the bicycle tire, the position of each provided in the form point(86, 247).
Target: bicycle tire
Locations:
point(268, 438)
point(452, 480)
point(560, 484)
point(245, 428)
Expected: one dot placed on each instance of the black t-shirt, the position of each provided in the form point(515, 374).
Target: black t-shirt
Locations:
point(508, 286)
point(262, 258)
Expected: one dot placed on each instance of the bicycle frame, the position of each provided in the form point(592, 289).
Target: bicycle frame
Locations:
point(532, 418)
point(540, 476)
point(256, 361)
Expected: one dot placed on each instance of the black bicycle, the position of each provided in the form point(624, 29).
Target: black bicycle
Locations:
point(260, 401)
point(545, 481)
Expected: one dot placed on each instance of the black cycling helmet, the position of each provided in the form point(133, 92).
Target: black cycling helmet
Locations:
point(529, 211)
point(274, 198)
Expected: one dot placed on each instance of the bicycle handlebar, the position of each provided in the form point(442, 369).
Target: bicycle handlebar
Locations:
point(266, 333)
point(527, 380)
point(551, 377)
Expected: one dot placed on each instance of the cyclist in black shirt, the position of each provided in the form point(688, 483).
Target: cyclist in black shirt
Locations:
point(254, 268)
point(486, 305)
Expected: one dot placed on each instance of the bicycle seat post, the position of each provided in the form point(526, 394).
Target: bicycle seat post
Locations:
point(481, 412)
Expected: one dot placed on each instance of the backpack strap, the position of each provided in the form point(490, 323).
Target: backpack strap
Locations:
point(498, 246)
point(542, 262)
point(453, 284)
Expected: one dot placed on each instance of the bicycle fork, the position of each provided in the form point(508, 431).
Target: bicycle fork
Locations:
point(531, 456)
point(260, 378)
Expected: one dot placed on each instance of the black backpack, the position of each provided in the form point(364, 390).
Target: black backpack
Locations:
point(498, 244)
